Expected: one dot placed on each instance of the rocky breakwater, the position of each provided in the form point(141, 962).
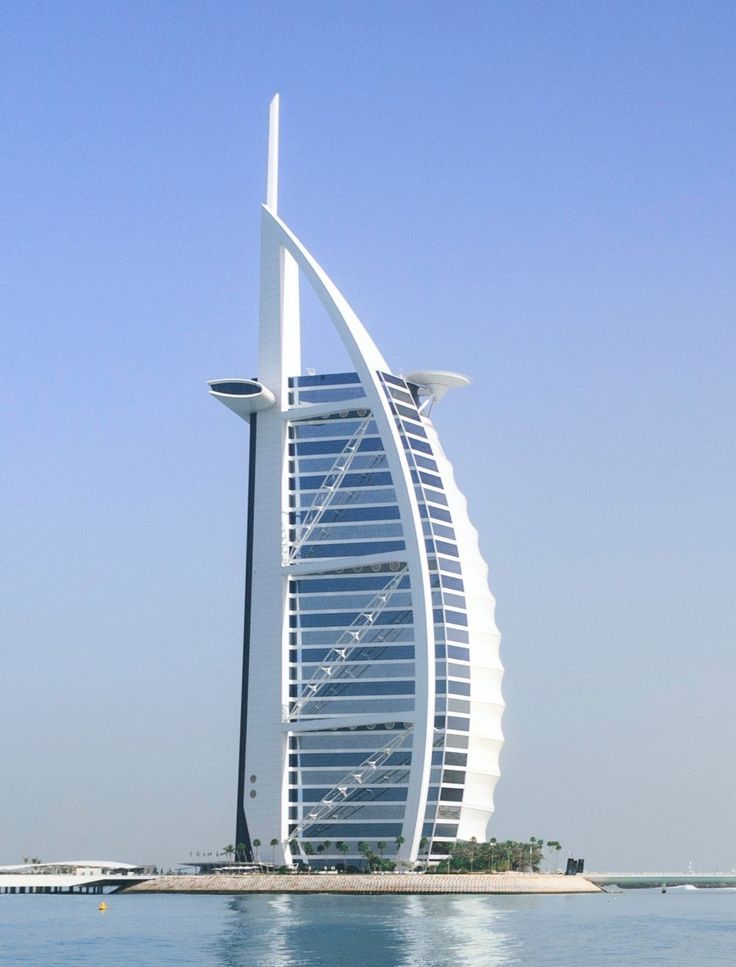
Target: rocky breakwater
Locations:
point(488, 883)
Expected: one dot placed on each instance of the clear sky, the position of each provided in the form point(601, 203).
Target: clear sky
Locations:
point(538, 194)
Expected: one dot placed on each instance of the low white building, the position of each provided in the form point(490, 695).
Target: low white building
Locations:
point(71, 876)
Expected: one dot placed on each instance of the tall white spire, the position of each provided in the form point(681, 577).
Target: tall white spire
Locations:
point(272, 181)
point(279, 343)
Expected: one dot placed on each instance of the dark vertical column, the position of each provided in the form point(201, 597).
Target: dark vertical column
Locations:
point(241, 826)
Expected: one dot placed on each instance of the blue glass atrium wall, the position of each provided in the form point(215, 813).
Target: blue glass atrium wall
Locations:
point(351, 629)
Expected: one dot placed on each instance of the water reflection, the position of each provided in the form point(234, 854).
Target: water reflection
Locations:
point(453, 930)
point(373, 931)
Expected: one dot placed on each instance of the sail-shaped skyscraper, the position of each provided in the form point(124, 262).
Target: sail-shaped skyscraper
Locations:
point(371, 701)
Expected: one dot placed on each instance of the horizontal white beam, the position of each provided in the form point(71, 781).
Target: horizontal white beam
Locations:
point(301, 568)
point(345, 721)
point(311, 411)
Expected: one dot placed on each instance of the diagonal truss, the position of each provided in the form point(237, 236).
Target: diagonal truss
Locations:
point(330, 484)
point(355, 779)
point(346, 645)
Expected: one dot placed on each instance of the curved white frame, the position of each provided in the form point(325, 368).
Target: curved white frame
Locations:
point(368, 361)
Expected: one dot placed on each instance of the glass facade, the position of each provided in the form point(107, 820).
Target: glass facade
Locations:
point(351, 643)
point(351, 629)
point(450, 616)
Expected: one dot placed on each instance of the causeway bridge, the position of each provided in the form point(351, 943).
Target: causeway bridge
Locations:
point(642, 881)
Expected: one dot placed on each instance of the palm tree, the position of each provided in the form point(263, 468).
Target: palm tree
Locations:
point(343, 848)
point(537, 848)
point(274, 843)
point(399, 843)
point(256, 845)
point(308, 850)
point(240, 852)
point(492, 843)
point(423, 844)
point(473, 843)
point(380, 846)
point(364, 850)
point(228, 850)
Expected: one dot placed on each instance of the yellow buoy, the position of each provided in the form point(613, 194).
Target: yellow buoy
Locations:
point(102, 907)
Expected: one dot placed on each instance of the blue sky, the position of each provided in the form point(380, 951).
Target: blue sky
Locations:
point(537, 194)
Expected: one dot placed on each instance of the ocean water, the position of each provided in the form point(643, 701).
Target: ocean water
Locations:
point(681, 928)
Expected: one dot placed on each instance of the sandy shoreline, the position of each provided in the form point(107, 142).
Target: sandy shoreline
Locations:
point(487, 883)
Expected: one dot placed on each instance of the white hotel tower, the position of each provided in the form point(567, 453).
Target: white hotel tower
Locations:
point(371, 702)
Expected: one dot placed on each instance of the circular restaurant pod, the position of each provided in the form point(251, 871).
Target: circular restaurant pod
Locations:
point(242, 396)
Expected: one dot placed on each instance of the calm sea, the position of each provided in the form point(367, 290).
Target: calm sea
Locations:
point(636, 928)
